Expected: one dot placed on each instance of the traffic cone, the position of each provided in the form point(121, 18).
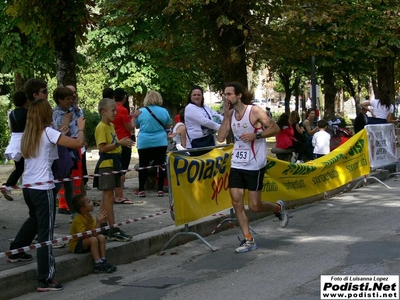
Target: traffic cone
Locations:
point(62, 203)
point(78, 173)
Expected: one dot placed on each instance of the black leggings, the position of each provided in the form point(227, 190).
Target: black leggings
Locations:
point(17, 173)
point(300, 149)
point(157, 155)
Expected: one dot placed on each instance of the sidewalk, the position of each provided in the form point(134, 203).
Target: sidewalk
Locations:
point(149, 235)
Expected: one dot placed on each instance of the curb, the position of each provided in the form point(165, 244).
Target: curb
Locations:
point(73, 266)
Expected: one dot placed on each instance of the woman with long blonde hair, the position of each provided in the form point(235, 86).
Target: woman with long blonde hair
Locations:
point(39, 148)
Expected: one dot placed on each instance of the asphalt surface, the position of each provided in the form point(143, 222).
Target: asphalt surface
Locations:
point(150, 225)
point(349, 234)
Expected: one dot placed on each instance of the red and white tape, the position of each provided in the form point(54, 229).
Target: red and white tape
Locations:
point(225, 217)
point(22, 186)
point(77, 235)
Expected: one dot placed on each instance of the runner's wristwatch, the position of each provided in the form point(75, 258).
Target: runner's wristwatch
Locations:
point(258, 135)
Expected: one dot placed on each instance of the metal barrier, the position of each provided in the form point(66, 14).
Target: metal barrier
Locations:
point(186, 232)
point(382, 151)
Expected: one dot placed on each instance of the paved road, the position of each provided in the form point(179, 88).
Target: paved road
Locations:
point(350, 234)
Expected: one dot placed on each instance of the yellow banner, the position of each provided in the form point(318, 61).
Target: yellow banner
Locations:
point(290, 181)
point(199, 185)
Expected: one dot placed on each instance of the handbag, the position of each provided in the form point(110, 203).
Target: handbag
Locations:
point(205, 141)
point(171, 147)
point(61, 166)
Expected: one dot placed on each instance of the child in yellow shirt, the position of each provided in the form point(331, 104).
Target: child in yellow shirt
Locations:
point(109, 150)
point(96, 243)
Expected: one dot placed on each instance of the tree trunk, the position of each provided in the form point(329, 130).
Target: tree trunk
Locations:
point(19, 81)
point(330, 94)
point(231, 42)
point(286, 79)
point(65, 56)
point(386, 78)
point(351, 89)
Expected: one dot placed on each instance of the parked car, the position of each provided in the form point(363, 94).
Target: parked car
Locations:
point(292, 104)
point(260, 102)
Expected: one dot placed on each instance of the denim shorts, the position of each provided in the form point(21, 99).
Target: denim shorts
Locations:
point(109, 182)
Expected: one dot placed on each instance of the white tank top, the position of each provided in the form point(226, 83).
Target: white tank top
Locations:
point(177, 139)
point(252, 155)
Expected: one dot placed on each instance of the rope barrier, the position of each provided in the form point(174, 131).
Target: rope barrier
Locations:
point(225, 217)
point(28, 185)
point(77, 235)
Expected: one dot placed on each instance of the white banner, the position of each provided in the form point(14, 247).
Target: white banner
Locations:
point(382, 145)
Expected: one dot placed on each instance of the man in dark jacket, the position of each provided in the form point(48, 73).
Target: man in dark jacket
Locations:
point(361, 120)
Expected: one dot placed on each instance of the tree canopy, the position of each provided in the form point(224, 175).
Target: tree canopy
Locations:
point(170, 45)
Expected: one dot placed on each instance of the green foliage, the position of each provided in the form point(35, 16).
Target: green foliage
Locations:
point(275, 115)
point(217, 107)
point(52, 20)
point(19, 53)
point(91, 82)
point(345, 121)
point(143, 45)
point(92, 119)
point(4, 130)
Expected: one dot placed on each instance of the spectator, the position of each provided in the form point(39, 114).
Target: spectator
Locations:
point(268, 112)
point(310, 128)
point(199, 121)
point(381, 110)
point(108, 93)
point(299, 131)
point(96, 243)
point(65, 120)
point(285, 138)
point(321, 140)
point(36, 89)
point(17, 121)
point(152, 119)
point(178, 133)
point(123, 127)
point(133, 132)
point(38, 146)
point(361, 120)
point(109, 161)
point(79, 113)
point(177, 117)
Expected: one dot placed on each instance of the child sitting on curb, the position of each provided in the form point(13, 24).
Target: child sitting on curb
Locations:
point(96, 243)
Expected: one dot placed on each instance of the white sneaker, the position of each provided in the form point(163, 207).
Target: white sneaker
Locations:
point(246, 246)
point(282, 215)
